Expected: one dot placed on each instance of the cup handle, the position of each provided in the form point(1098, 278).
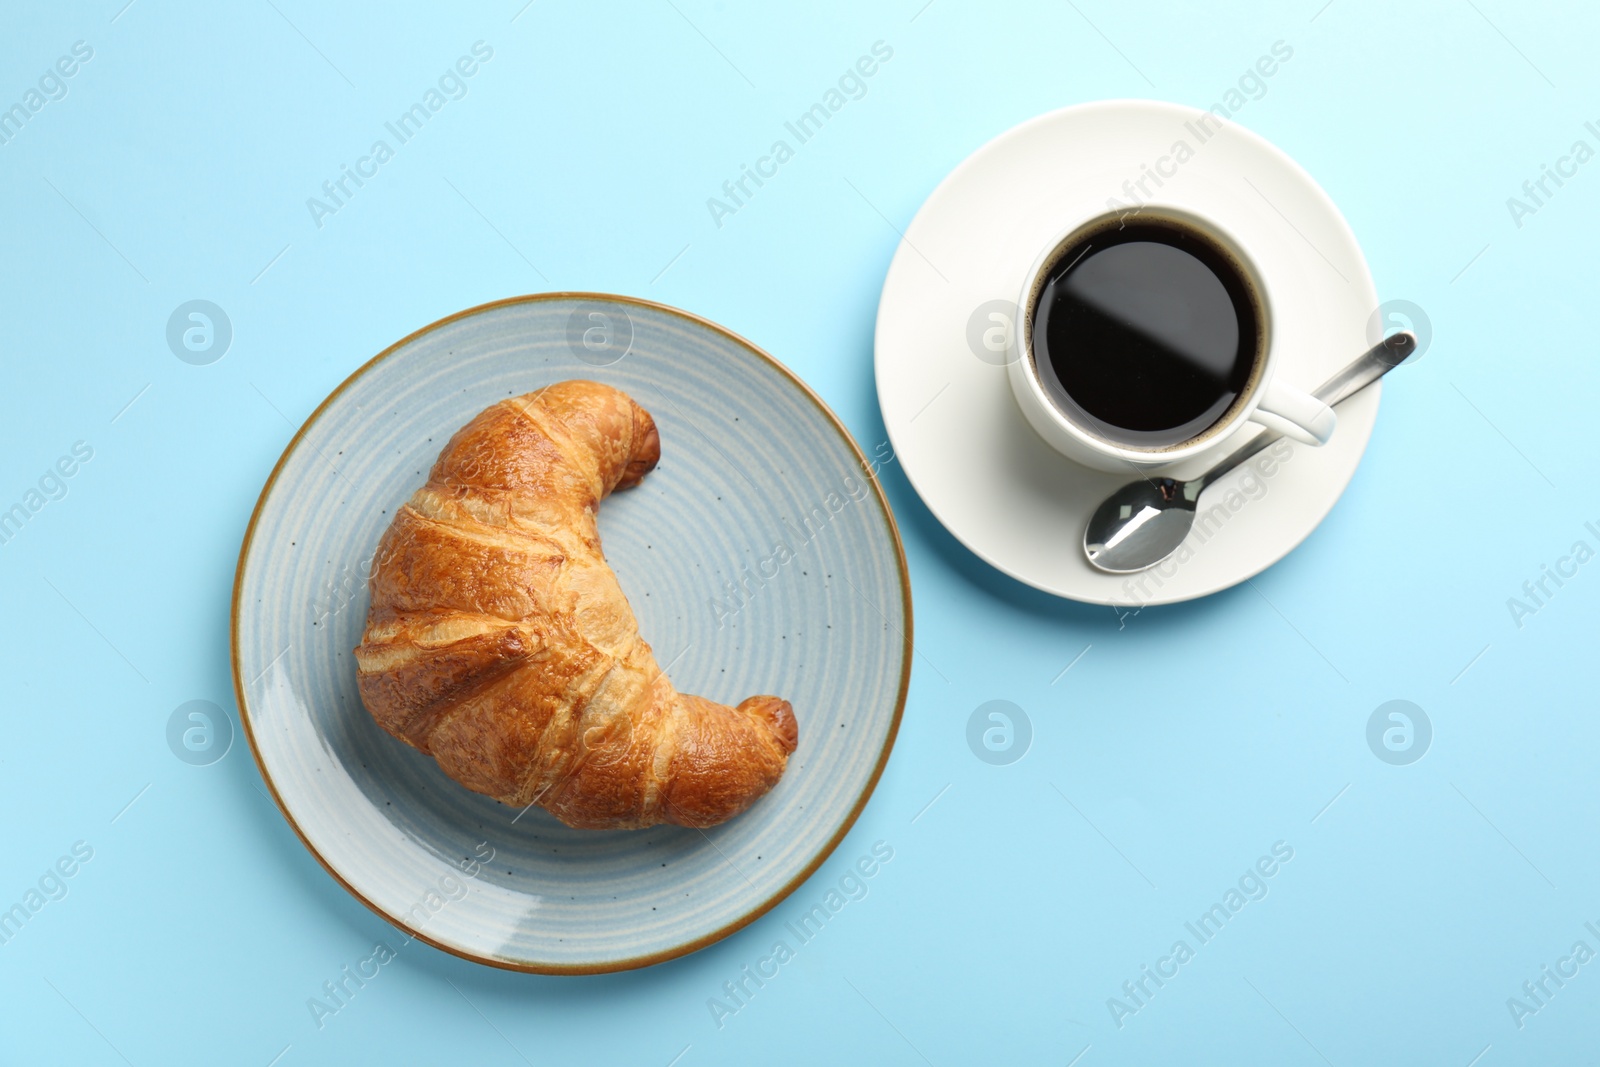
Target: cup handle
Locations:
point(1295, 414)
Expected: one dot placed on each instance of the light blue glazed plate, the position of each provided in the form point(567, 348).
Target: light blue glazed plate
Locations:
point(752, 463)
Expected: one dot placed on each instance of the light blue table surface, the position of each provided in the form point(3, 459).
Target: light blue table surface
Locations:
point(1184, 744)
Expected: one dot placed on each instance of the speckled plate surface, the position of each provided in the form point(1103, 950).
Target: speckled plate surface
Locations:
point(752, 464)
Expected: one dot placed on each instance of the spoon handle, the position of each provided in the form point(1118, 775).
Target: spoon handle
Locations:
point(1377, 361)
point(1373, 364)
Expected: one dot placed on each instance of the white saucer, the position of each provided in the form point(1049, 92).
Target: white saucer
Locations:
point(955, 426)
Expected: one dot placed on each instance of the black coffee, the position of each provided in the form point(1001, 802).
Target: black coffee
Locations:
point(1146, 334)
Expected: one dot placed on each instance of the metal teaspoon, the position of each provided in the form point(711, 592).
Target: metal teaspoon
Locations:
point(1145, 521)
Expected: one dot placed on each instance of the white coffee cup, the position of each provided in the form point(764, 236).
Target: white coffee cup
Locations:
point(1265, 400)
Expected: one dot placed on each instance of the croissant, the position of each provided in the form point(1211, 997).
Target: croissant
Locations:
point(499, 642)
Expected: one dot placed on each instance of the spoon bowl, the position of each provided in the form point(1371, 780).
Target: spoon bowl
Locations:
point(1144, 520)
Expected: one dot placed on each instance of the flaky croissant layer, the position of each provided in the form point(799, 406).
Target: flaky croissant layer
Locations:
point(500, 643)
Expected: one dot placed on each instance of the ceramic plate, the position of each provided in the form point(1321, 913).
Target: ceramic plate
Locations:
point(751, 460)
point(950, 412)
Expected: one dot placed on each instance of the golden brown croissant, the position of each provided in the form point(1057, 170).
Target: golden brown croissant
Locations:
point(500, 643)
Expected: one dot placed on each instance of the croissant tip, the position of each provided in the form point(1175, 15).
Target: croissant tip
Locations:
point(779, 714)
point(645, 455)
